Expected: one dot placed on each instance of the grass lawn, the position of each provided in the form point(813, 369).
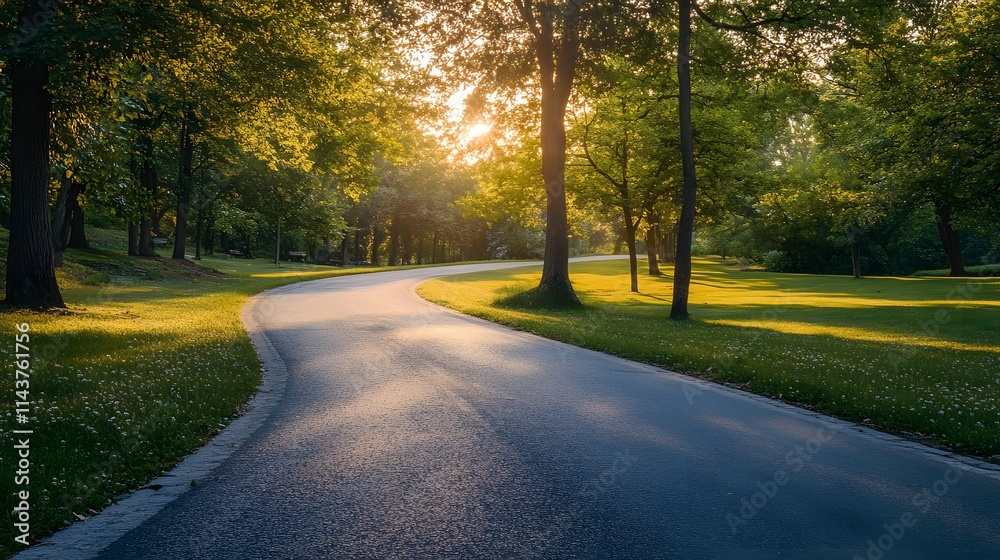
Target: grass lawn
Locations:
point(916, 356)
point(150, 360)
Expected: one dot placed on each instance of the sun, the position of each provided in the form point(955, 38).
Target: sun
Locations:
point(477, 130)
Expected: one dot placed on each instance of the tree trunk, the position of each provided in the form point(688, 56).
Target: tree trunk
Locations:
point(949, 240)
point(345, 246)
point(185, 184)
point(856, 259)
point(277, 245)
point(246, 246)
point(633, 263)
point(147, 182)
point(31, 274)
point(651, 252)
point(685, 230)
point(180, 231)
point(146, 238)
point(197, 233)
point(60, 221)
point(133, 239)
point(555, 268)
point(668, 245)
point(78, 229)
point(393, 244)
point(377, 238)
point(557, 72)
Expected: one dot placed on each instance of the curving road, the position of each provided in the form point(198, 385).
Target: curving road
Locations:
point(409, 431)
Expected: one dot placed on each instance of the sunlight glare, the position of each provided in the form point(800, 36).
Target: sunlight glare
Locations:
point(477, 130)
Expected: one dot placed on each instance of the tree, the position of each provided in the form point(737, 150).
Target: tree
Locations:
point(67, 45)
point(541, 47)
point(619, 139)
point(780, 26)
point(923, 80)
point(685, 228)
point(557, 48)
point(31, 279)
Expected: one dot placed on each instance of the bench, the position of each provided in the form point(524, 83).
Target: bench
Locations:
point(297, 254)
point(360, 263)
point(233, 253)
point(160, 241)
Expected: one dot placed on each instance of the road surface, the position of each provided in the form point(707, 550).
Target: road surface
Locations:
point(410, 431)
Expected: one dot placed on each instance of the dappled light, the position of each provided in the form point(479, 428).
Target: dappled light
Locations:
point(796, 199)
point(914, 337)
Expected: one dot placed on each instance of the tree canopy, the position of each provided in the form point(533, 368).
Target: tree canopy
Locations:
point(848, 137)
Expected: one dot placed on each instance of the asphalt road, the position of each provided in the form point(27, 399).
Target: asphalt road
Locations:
point(409, 431)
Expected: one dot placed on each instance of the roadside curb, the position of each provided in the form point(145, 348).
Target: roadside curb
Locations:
point(86, 539)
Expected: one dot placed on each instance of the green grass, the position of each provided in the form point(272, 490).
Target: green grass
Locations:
point(915, 356)
point(149, 361)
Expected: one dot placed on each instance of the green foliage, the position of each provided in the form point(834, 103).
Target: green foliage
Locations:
point(985, 271)
point(921, 114)
point(414, 214)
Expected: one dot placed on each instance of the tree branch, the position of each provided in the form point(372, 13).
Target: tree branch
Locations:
point(750, 26)
point(524, 6)
point(590, 159)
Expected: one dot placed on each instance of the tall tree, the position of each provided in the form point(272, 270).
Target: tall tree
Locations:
point(621, 145)
point(555, 29)
point(47, 39)
point(539, 48)
point(776, 27)
point(685, 228)
point(31, 278)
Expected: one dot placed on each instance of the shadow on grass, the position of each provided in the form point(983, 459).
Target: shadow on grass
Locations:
point(521, 296)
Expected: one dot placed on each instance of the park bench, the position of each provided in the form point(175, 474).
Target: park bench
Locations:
point(297, 254)
point(233, 253)
point(161, 241)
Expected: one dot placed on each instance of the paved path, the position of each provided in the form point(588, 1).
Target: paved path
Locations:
point(409, 431)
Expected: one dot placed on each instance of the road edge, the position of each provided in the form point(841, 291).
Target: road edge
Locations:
point(86, 539)
point(957, 460)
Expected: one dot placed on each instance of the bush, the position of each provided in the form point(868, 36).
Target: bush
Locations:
point(986, 270)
